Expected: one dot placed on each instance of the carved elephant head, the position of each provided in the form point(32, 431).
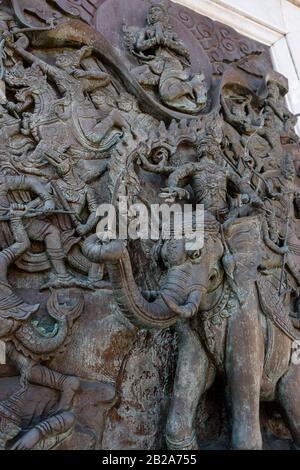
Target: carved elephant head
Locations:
point(188, 277)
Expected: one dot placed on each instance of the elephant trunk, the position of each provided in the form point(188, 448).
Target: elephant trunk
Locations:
point(134, 306)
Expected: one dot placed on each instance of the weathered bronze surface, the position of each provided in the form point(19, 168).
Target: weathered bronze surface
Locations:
point(145, 344)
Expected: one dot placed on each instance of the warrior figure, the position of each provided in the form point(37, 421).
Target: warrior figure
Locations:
point(209, 181)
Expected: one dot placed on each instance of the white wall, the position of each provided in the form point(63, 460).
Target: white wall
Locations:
point(275, 23)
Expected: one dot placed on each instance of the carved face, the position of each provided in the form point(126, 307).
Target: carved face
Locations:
point(156, 14)
point(126, 103)
point(64, 61)
point(273, 90)
point(32, 76)
point(209, 150)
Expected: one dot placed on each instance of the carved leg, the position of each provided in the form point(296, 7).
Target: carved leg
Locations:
point(190, 383)
point(51, 427)
point(43, 231)
point(67, 385)
point(48, 233)
point(288, 397)
point(244, 368)
point(96, 272)
point(42, 375)
point(55, 251)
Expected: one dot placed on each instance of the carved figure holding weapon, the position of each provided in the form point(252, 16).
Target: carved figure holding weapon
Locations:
point(39, 228)
point(75, 197)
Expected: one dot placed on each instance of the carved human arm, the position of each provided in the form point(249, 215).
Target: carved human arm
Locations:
point(56, 424)
point(95, 172)
point(20, 107)
point(143, 44)
point(180, 175)
point(92, 74)
point(244, 188)
point(51, 427)
point(160, 168)
point(53, 72)
point(89, 225)
point(92, 80)
point(21, 241)
point(27, 183)
point(177, 46)
point(177, 180)
point(278, 110)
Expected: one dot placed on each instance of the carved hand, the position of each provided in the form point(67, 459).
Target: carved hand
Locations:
point(77, 73)
point(82, 229)
point(11, 106)
point(49, 205)
point(173, 193)
point(256, 201)
point(17, 210)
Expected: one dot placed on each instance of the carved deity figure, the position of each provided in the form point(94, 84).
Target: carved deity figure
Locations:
point(275, 103)
point(279, 122)
point(209, 179)
point(166, 62)
point(283, 205)
point(11, 306)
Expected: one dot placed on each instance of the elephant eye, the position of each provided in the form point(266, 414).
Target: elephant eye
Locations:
point(195, 254)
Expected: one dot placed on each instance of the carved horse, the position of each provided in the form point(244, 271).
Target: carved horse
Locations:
point(68, 119)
